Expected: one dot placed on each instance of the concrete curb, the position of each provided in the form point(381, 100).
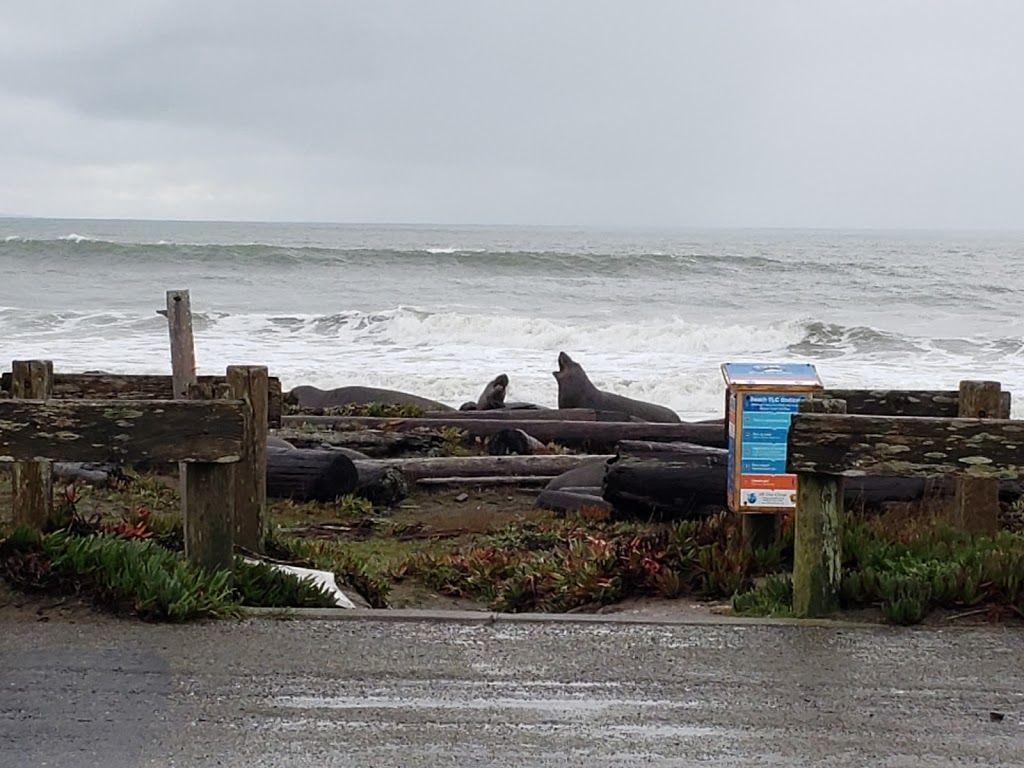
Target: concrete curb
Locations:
point(482, 618)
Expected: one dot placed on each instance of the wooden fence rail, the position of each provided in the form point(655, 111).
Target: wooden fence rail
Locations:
point(221, 442)
point(825, 444)
point(908, 402)
point(107, 386)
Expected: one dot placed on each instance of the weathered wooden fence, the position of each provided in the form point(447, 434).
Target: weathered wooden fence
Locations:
point(107, 386)
point(981, 399)
point(827, 443)
point(221, 443)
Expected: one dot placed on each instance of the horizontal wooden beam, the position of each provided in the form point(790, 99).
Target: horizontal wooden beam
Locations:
point(531, 414)
point(574, 433)
point(905, 446)
point(110, 386)
point(205, 431)
point(905, 402)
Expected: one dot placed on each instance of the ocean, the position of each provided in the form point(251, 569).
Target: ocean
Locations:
point(441, 310)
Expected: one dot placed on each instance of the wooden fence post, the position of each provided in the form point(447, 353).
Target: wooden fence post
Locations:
point(208, 506)
point(976, 508)
point(249, 383)
point(817, 546)
point(32, 484)
point(207, 490)
point(183, 350)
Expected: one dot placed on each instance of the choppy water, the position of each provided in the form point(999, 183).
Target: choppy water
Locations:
point(441, 310)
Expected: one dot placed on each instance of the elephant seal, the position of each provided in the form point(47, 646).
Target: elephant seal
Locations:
point(305, 396)
point(276, 442)
point(492, 398)
point(575, 390)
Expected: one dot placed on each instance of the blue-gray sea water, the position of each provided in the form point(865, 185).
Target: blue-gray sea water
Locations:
point(441, 310)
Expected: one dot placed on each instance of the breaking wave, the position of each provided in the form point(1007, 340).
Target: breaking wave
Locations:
point(449, 355)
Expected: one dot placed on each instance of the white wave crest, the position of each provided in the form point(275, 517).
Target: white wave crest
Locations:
point(449, 355)
point(76, 238)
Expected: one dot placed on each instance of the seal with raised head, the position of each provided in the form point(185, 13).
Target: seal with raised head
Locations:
point(305, 396)
point(492, 398)
point(575, 390)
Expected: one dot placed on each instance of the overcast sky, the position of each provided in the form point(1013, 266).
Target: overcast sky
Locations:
point(650, 112)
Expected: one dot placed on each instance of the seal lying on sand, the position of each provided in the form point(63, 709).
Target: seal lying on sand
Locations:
point(492, 398)
point(306, 396)
point(575, 390)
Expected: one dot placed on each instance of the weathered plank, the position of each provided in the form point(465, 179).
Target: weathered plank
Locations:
point(114, 431)
point(976, 505)
point(905, 402)
point(817, 544)
point(905, 446)
point(249, 384)
point(104, 386)
point(32, 481)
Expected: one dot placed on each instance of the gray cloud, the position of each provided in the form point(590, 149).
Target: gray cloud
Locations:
point(698, 113)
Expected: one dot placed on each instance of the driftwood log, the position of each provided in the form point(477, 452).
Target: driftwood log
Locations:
point(416, 469)
point(372, 442)
point(309, 475)
point(382, 486)
point(596, 436)
point(510, 413)
point(669, 486)
point(519, 481)
point(675, 480)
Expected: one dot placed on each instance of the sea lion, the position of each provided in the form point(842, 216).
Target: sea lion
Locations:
point(575, 390)
point(305, 396)
point(492, 398)
point(276, 442)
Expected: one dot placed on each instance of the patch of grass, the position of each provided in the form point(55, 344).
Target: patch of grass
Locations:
point(157, 493)
point(260, 585)
point(910, 574)
point(365, 566)
point(774, 597)
point(140, 576)
point(155, 583)
point(288, 513)
point(454, 441)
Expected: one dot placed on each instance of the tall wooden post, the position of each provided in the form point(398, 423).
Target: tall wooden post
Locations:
point(976, 508)
point(817, 552)
point(32, 480)
point(250, 383)
point(183, 350)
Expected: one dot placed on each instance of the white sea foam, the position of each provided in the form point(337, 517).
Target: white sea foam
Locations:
point(449, 356)
point(340, 305)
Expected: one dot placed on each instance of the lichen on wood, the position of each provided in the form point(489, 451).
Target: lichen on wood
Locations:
point(82, 430)
point(905, 446)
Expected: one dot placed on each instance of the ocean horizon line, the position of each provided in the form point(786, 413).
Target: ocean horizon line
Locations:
point(604, 227)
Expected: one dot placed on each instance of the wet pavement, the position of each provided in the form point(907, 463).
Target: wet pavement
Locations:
point(261, 692)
